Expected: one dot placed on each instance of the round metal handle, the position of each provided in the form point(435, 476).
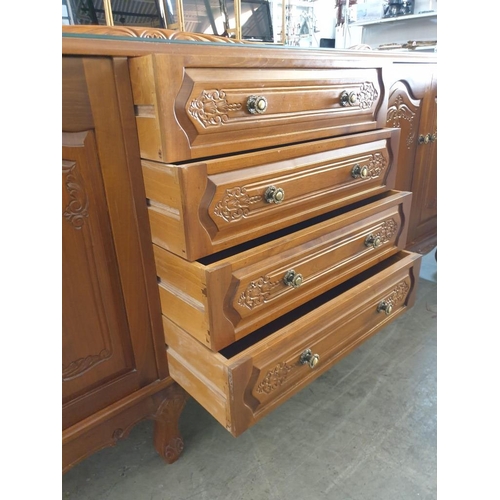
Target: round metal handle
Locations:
point(373, 241)
point(256, 104)
point(360, 172)
point(274, 195)
point(348, 98)
point(433, 137)
point(307, 357)
point(424, 139)
point(293, 279)
point(385, 306)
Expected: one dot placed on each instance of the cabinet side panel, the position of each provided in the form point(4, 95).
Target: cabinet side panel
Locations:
point(106, 82)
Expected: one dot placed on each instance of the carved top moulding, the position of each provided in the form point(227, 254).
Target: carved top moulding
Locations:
point(133, 41)
point(144, 32)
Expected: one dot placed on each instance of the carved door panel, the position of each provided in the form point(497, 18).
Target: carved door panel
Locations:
point(111, 317)
point(96, 342)
point(412, 108)
point(404, 112)
point(423, 218)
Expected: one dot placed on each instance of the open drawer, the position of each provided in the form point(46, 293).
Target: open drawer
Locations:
point(221, 298)
point(195, 107)
point(243, 383)
point(196, 209)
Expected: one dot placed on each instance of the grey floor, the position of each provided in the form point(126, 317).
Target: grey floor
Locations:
point(365, 430)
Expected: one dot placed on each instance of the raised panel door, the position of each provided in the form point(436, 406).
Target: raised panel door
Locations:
point(412, 107)
point(112, 344)
point(96, 344)
point(423, 219)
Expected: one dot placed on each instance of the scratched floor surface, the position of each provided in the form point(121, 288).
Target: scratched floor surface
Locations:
point(365, 430)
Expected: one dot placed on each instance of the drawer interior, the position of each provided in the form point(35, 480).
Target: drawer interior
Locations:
point(243, 382)
point(268, 330)
point(249, 245)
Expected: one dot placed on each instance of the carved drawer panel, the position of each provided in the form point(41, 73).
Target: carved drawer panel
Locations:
point(200, 208)
point(188, 108)
point(222, 298)
point(246, 381)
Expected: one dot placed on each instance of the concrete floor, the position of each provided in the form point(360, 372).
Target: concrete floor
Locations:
point(365, 430)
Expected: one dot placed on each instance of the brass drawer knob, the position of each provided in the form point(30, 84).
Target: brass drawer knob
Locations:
point(348, 98)
point(424, 139)
point(307, 357)
point(293, 279)
point(274, 195)
point(373, 241)
point(360, 172)
point(385, 306)
point(256, 104)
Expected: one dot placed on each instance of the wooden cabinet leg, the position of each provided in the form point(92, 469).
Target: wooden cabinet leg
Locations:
point(167, 439)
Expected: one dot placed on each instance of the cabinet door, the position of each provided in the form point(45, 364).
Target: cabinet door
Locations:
point(423, 219)
point(109, 331)
point(412, 108)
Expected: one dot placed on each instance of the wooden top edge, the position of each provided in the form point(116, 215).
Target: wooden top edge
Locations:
point(133, 41)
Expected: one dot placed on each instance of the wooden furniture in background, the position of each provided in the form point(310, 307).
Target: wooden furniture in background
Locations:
point(262, 217)
point(114, 371)
point(412, 107)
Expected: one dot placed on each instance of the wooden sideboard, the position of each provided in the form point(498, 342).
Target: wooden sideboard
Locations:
point(114, 371)
point(235, 221)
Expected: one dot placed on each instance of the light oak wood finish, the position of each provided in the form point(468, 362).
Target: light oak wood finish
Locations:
point(199, 208)
point(112, 349)
point(244, 383)
point(412, 107)
point(192, 108)
point(202, 145)
point(220, 299)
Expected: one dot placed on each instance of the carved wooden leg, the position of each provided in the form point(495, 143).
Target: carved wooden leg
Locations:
point(167, 439)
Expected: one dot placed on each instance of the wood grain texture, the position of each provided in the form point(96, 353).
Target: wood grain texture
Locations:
point(201, 208)
point(161, 401)
point(200, 111)
point(182, 168)
point(412, 107)
point(113, 345)
point(240, 389)
point(222, 301)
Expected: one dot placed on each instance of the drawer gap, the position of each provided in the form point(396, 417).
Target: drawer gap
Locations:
point(248, 245)
point(213, 157)
point(267, 330)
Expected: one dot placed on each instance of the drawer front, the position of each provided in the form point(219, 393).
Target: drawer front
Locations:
point(197, 111)
point(202, 208)
point(249, 289)
point(247, 385)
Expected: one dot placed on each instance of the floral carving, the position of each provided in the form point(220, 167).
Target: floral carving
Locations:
point(399, 294)
point(257, 292)
point(211, 108)
point(274, 378)
point(367, 95)
point(386, 231)
point(144, 32)
point(235, 204)
point(401, 111)
point(81, 365)
point(77, 209)
point(376, 165)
